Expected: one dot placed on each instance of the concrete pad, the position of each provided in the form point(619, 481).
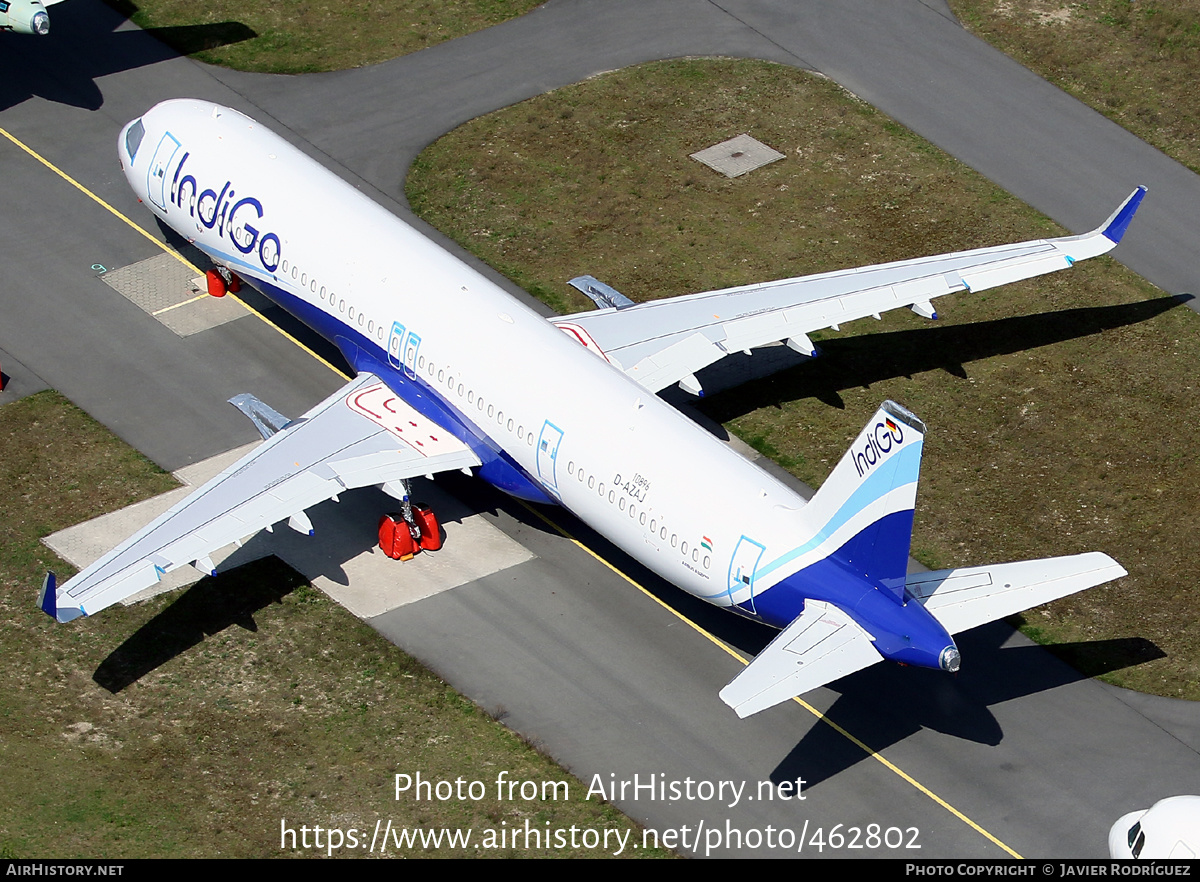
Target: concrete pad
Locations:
point(164, 287)
point(341, 558)
point(737, 156)
point(85, 543)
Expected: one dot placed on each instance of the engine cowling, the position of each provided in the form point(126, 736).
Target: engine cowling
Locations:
point(24, 17)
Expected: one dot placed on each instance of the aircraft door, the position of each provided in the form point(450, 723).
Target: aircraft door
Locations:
point(156, 174)
point(395, 344)
point(411, 345)
point(742, 568)
point(547, 455)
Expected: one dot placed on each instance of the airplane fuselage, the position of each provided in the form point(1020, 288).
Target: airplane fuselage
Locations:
point(549, 420)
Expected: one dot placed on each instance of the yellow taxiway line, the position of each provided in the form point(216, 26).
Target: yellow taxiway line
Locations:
point(192, 267)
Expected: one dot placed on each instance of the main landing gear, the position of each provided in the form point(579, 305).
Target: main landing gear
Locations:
point(408, 532)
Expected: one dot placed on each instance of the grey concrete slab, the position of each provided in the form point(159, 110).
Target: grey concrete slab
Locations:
point(737, 156)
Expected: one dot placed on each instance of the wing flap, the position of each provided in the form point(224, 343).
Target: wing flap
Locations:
point(351, 439)
point(1007, 272)
point(670, 365)
point(964, 598)
point(820, 646)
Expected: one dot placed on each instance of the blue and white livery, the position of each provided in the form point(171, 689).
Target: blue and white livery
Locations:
point(455, 374)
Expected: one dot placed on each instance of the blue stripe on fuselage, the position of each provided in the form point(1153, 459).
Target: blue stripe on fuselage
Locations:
point(904, 632)
point(498, 468)
point(906, 470)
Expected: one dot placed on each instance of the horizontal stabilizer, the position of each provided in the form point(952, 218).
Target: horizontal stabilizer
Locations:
point(821, 645)
point(964, 598)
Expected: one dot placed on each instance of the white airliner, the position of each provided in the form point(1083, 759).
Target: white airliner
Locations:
point(452, 373)
point(26, 16)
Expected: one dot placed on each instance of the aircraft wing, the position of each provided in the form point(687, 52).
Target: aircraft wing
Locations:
point(361, 435)
point(964, 598)
point(666, 341)
point(821, 645)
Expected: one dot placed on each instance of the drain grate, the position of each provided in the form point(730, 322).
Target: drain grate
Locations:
point(737, 156)
point(164, 287)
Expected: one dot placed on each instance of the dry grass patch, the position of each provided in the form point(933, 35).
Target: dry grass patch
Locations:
point(302, 36)
point(1059, 410)
point(1137, 63)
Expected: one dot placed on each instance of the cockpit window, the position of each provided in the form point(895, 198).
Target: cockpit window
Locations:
point(1133, 833)
point(1137, 839)
point(133, 139)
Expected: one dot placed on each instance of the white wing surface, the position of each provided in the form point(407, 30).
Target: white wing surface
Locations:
point(666, 341)
point(821, 645)
point(362, 435)
point(964, 598)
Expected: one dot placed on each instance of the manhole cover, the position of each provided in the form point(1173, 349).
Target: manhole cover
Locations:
point(737, 156)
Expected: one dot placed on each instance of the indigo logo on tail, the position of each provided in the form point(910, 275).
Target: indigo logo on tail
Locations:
point(884, 437)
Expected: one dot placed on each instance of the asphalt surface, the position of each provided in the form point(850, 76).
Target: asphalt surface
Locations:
point(560, 647)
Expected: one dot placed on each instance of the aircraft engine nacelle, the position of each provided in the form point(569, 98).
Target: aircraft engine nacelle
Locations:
point(24, 17)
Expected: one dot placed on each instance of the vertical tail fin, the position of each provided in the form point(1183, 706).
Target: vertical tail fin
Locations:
point(866, 504)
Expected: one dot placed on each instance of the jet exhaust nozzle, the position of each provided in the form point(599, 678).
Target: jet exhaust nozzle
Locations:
point(950, 659)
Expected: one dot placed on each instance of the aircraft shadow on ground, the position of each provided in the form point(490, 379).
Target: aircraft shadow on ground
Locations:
point(208, 607)
point(84, 45)
point(266, 568)
point(884, 704)
point(858, 361)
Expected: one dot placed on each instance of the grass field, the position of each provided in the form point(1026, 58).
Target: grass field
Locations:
point(195, 725)
point(303, 36)
point(1057, 409)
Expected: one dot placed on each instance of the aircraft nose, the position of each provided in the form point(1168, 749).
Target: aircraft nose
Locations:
point(949, 659)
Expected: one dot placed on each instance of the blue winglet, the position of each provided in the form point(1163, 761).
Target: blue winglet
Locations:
point(1119, 222)
point(48, 599)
